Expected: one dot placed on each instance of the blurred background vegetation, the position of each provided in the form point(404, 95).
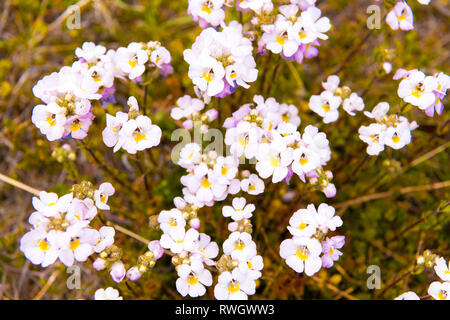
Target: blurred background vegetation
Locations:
point(386, 222)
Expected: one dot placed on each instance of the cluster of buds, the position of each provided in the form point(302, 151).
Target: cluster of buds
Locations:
point(110, 258)
point(64, 153)
point(146, 261)
point(83, 190)
point(322, 181)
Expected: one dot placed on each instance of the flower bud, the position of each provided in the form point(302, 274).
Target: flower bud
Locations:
point(133, 274)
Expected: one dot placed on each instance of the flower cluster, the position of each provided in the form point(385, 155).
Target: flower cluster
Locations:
point(420, 90)
point(441, 290)
point(267, 133)
point(295, 36)
point(189, 108)
point(220, 61)
point(309, 228)
point(68, 93)
point(210, 177)
point(240, 265)
point(328, 102)
point(437, 290)
point(391, 130)
point(192, 251)
point(61, 226)
point(130, 131)
point(401, 16)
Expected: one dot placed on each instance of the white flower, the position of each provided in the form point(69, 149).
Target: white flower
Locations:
point(90, 52)
point(378, 112)
point(234, 286)
point(252, 267)
point(102, 194)
point(311, 26)
point(398, 137)
point(106, 239)
point(326, 105)
point(240, 246)
point(352, 103)
point(177, 240)
point(77, 244)
point(252, 185)
point(131, 60)
point(138, 134)
point(226, 168)
point(192, 280)
point(207, 248)
point(107, 294)
point(239, 210)
point(171, 219)
point(442, 269)
point(326, 220)
point(258, 6)
point(332, 83)
point(439, 290)
point(276, 38)
point(273, 162)
point(50, 205)
point(209, 10)
point(305, 160)
point(373, 135)
point(408, 296)
point(417, 89)
point(113, 126)
point(303, 222)
point(50, 120)
point(302, 254)
point(39, 248)
point(186, 107)
point(190, 155)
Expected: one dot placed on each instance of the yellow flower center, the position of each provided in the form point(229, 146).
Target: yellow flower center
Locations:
point(224, 171)
point(75, 126)
point(139, 136)
point(74, 244)
point(239, 245)
point(302, 226)
point(243, 141)
point(173, 223)
point(205, 183)
point(331, 251)
point(132, 63)
point(395, 138)
point(192, 280)
point(251, 188)
point(303, 161)
point(442, 295)
point(207, 76)
point(43, 245)
point(326, 107)
point(274, 162)
point(233, 288)
point(281, 40)
point(51, 120)
point(302, 254)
